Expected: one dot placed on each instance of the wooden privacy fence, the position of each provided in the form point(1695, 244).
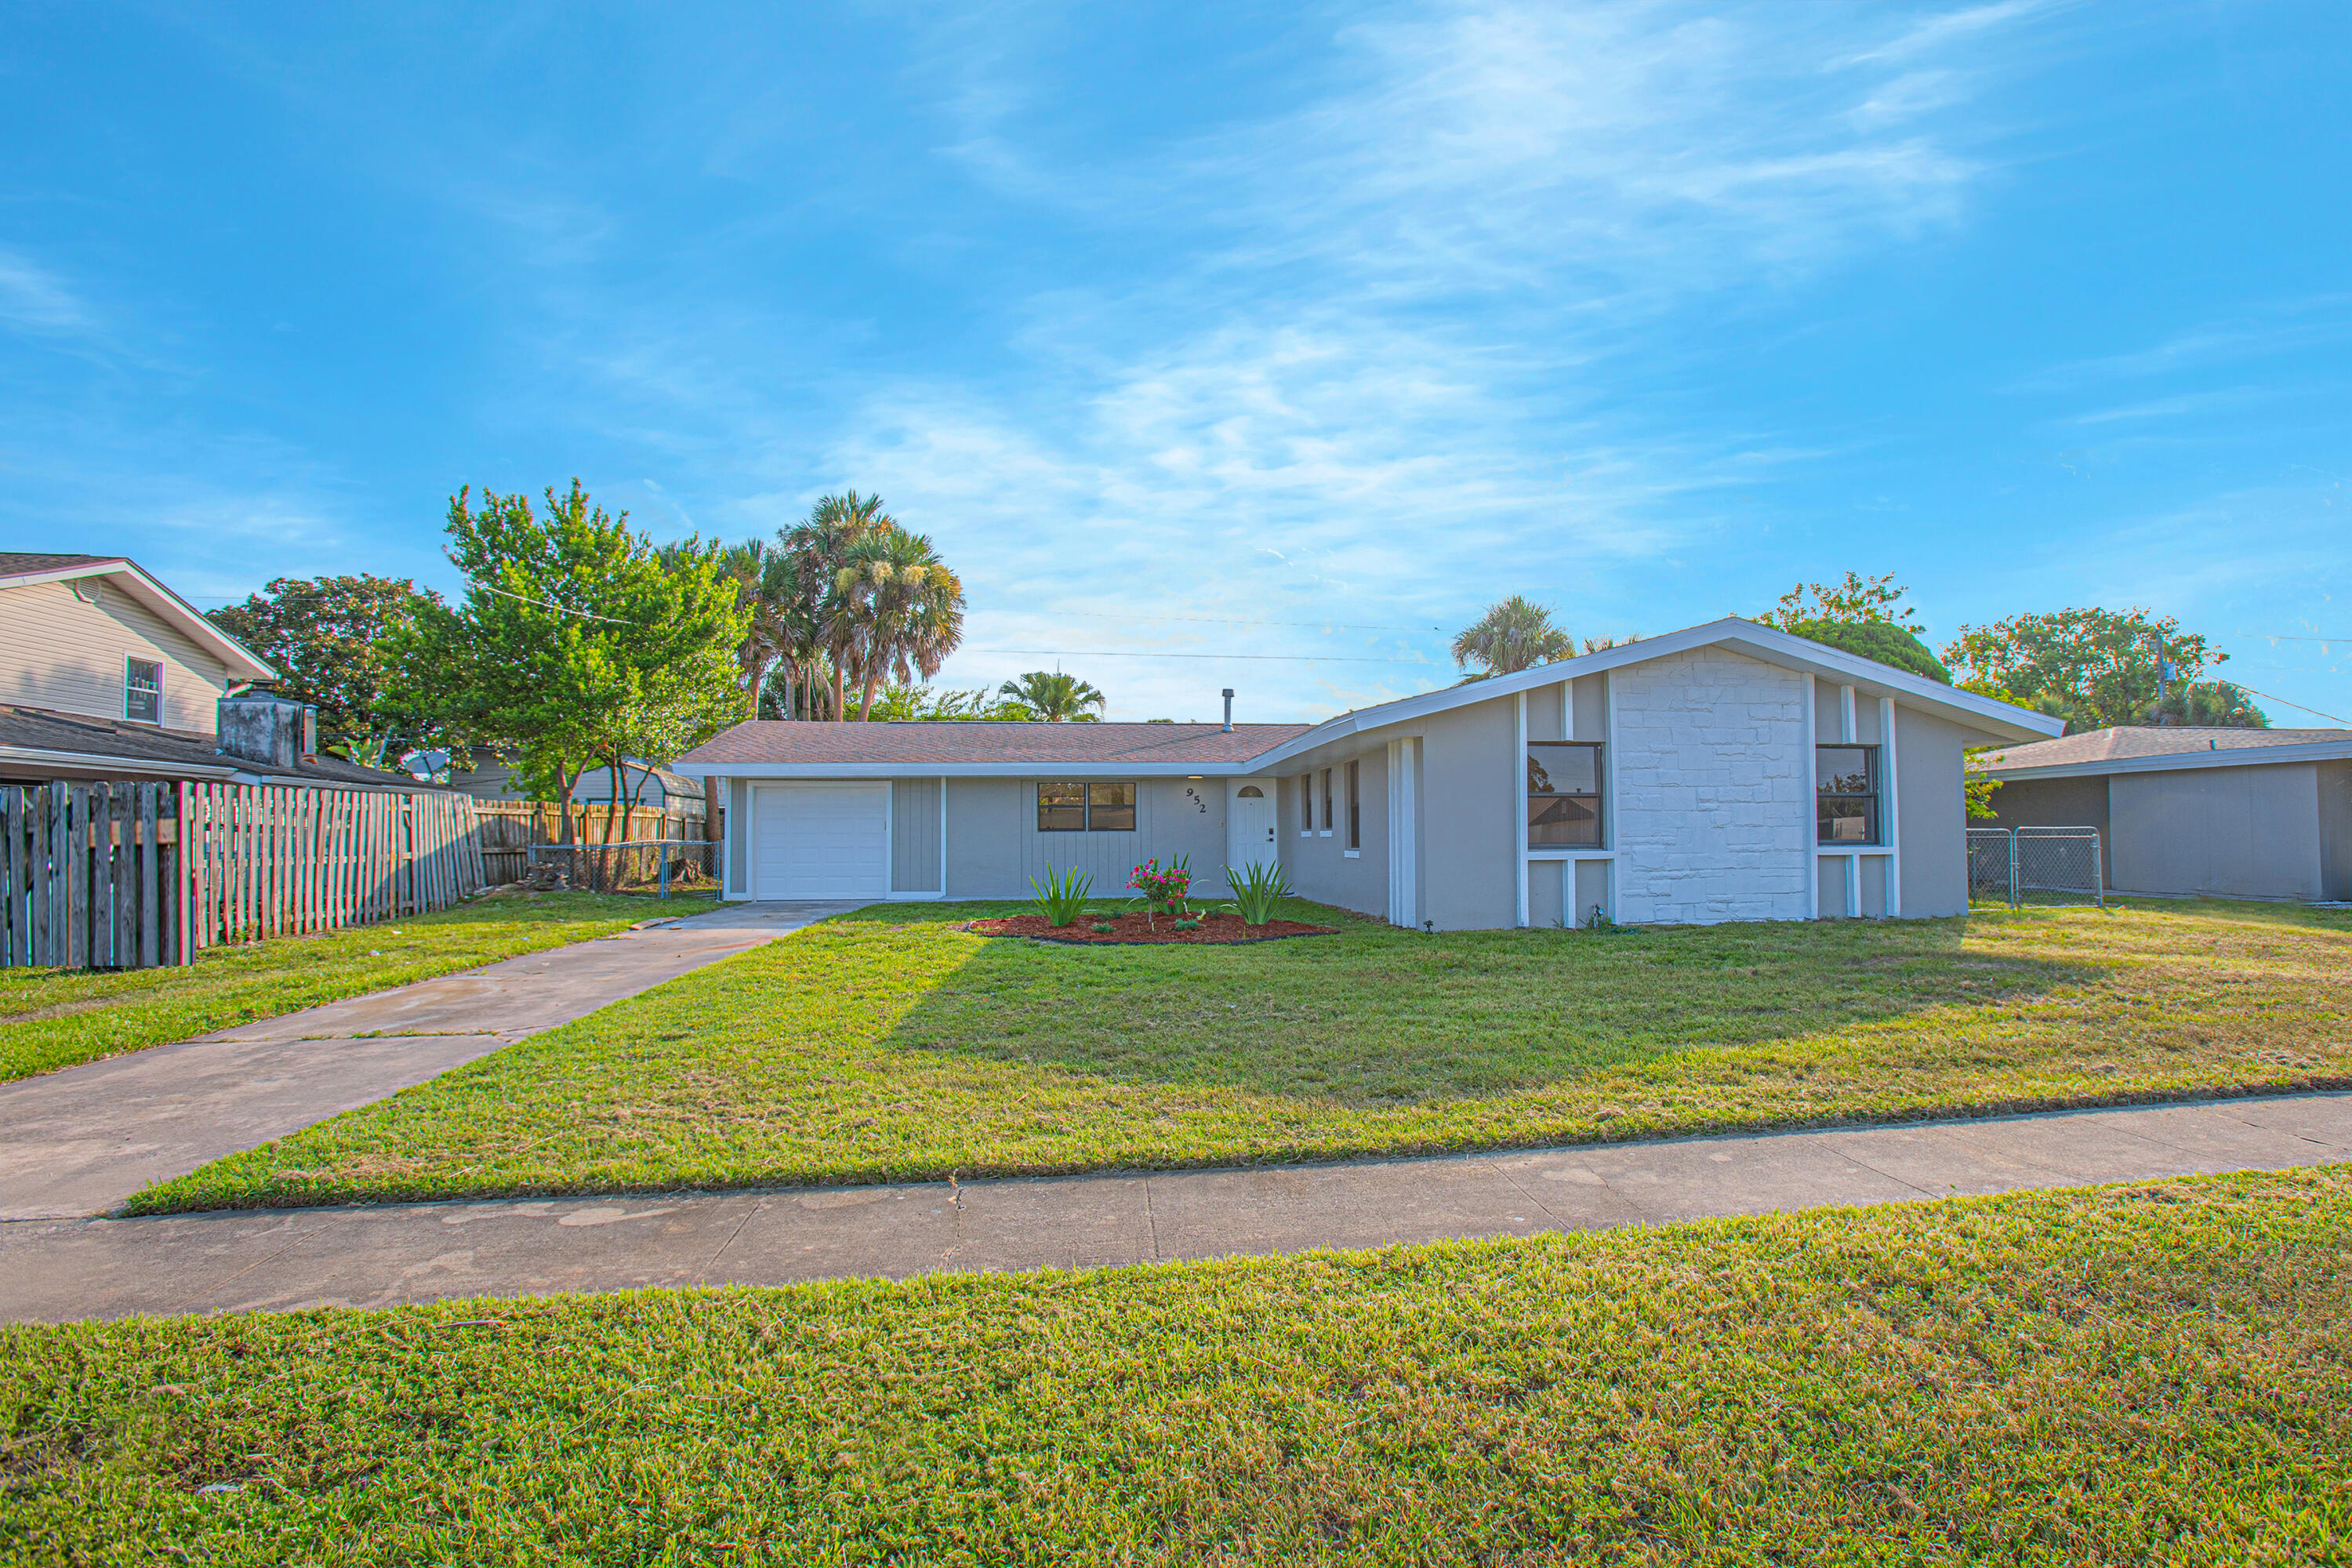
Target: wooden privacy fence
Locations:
point(130, 876)
point(512, 828)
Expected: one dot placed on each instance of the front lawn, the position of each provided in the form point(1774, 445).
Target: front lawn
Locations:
point(55, 1017)
point(2151, 1374)
point(885, 1046)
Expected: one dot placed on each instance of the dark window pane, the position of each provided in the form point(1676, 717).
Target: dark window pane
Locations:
point(1845, 770)
point(1061, 808)
point(142, 690)
point(1570, 820)
point(1111, 807)
point(1563, 767)
point(1848, 819)
point(1355, 807)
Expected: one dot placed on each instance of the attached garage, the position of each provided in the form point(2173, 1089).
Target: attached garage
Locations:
point(821, 840)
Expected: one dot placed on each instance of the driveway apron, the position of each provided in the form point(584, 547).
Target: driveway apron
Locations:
point(81, 1140)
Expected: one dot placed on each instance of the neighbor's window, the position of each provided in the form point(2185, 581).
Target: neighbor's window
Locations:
point(1846, 793)
point(142, 690)
point(1327, 802)
point(1110, 808)
point(1355, 809)
point(1061, 808)
point(1305, 805)
point(1564, 795)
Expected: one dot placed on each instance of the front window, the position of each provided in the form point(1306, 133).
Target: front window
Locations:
point(1085, 809)
point(1305, 805)
point(1355, 808)
point(1845, 791)
point(142, 690)
point(1564, 795)
point(1110, 808)
point(1327, 802)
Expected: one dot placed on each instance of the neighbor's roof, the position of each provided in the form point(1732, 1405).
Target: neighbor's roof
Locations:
point(35, 740)
point(2131, 748)
point(20, 568)
point(981, 747)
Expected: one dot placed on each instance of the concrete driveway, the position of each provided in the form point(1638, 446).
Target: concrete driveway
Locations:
point(83, 1140)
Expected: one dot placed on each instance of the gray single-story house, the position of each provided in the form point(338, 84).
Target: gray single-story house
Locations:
point(1726, 771)
point(2255, 813)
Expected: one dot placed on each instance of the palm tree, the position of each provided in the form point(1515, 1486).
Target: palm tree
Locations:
point(1512, 636)
point(905, 607)
point(770, 586)
point(1056, 698)
point(819, 548)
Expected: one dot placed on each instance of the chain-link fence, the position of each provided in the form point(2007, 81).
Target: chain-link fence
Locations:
point(2044, 866)
point(657, 866)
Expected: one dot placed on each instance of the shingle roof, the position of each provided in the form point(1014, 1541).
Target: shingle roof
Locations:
point(44, 730)
point(2125, 741)
point(19, 563)
point(778, 740)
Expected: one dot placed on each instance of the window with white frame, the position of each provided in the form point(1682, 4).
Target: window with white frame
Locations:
point(1355, 807)
point(1305, 805)
point(1327, 802)
point(1563, 794)
point(142, 690)
point(1845, 793)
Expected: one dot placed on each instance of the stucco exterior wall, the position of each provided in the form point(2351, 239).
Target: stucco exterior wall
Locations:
point(2250, 832)
point(1713, 813)
point(59, 652)
point(2336, 830)
point(1931, 807)
point(1473, 787)
point(1319, 866)
point(2053, 803)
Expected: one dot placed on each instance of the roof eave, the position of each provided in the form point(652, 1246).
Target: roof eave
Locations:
point(242, 662)
point(2172, 762)
point(1016, 770)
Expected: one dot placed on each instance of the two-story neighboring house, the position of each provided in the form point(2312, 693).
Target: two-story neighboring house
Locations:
point(105, 673)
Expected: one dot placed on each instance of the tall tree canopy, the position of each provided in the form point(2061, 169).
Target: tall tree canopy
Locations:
point(1512, 636)
point(578, 644)
point(1054, 698)
point(327, 636)
point(2096, 667)
point(904, 607)
point(1857, 601)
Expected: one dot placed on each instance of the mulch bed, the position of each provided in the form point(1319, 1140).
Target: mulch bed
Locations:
point(1132, 930)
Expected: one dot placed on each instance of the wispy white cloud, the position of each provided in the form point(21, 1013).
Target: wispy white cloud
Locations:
point(35, 300)
point(2279, 327)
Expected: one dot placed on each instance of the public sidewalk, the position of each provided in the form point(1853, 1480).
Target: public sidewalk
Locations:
point(81, 1140)
point(371, 1256)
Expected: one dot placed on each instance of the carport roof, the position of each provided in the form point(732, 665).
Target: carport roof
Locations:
point(764, 743)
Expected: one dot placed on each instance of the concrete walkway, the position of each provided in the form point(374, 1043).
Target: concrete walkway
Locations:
point(280, 1259)
point(80, 1140)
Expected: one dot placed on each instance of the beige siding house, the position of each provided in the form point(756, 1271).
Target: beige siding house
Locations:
point(105, 673)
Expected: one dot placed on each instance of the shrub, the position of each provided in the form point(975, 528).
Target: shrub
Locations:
point(1062, 895)
point(1256, 888)
point(1163, 891)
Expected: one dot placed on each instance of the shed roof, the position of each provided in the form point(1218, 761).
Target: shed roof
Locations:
point(35, 739)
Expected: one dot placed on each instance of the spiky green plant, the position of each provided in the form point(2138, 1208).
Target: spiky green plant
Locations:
point(1062, 895)
point(1255, 889)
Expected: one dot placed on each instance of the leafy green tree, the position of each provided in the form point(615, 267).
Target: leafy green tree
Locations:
point(1858, 600)
point(1881, 640)
point(578, 644)
point(903, 703)
point(2094, 668)
point(1514, 635)
point(327, 636)
point(1053, 697)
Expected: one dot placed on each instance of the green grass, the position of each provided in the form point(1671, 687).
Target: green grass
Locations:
point(2154, 1374)
point(51, 1018)
point(885, 1046)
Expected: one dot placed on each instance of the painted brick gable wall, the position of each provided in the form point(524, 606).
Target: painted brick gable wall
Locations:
point(1712, 811)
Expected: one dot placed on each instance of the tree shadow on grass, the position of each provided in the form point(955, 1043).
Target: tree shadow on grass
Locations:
point(1374, 1015)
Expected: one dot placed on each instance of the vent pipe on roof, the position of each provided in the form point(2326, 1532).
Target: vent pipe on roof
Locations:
point(1229, 709)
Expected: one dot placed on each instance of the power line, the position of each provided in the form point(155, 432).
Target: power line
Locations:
point(1109, 653)
point(2296, 705)
point(560, 609)
point(1221, 621)
point(2281, 636)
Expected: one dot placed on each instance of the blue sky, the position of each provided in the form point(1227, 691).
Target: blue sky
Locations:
point(1189, 329)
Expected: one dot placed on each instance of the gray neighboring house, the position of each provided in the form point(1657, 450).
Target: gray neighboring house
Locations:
point(1725, 771)
point(2256, 814)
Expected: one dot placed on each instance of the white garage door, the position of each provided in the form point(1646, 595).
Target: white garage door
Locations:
point(821, 841)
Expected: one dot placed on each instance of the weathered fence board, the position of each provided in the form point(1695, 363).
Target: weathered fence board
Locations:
point(126, 875)
point(512, 828)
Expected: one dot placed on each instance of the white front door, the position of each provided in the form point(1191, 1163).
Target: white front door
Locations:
point(1249, 825)
point(821, 841)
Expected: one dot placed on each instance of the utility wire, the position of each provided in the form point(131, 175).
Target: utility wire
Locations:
point(2296, 705)
point(2282, 637)
point(1220, 621)
point(560, 609)
point(1109, 653)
